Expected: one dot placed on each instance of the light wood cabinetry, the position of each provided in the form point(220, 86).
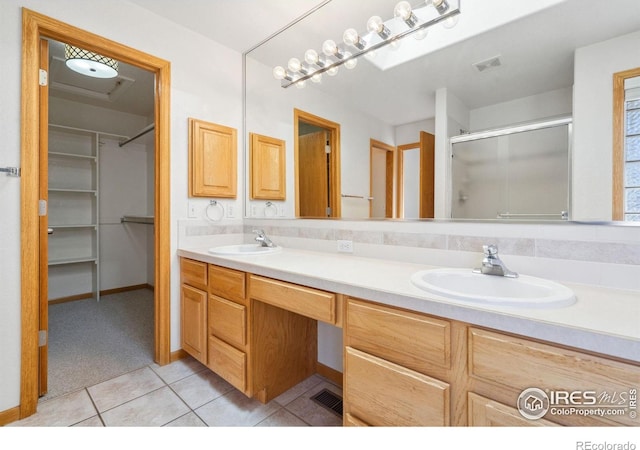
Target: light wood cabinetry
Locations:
point(501, 366)
point(401, 367)
point(267, 168)
point(388, 357)
point(381, 393)
point(228, 319)
point(213, 155)
point(484, 412)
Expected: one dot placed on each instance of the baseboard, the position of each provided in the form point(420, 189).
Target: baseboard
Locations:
point(329, 373)
point(73, 298)
point(9, 416)
point(177, 355)
point(126, 289)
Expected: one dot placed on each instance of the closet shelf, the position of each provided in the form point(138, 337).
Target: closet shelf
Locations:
point(80, 191)
point(148, 220)
point(81, 259)
point(72, 156)
point(78, 225)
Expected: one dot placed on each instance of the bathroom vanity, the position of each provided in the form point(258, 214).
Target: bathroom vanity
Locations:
point(410, 358)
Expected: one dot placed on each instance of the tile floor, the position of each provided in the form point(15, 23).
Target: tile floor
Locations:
point(181, 394)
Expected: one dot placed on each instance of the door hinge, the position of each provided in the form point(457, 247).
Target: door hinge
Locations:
point(42, 338)
point(43, 77)
point(327, 149)
point(329, 212)
point(42, 207)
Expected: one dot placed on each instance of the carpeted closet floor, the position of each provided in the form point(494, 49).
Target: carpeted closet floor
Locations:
point(90, 341)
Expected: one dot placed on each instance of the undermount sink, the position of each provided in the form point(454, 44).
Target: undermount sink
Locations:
point(464, 284)
point(244, 249)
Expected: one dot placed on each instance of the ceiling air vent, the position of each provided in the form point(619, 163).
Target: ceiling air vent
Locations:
point(487, 64)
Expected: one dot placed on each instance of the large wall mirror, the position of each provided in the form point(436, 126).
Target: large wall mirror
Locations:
point(499, 67)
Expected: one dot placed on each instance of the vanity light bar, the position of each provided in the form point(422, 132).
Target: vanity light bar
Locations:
point(337, 55)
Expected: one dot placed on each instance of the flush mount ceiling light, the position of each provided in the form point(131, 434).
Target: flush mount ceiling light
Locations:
point(89, 63)
point(406, 21)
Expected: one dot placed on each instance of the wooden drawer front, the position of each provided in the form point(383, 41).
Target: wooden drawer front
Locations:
point(520, 363)
point(193, 322)
point(228, 320)
point(228, 362)
point(193, 272)
point(305, 301)
point(227, 283)
point(381, 393)
point(352, 421)
point(409, 339)
point(484, 412)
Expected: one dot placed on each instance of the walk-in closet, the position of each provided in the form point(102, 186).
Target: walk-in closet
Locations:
point(101, 158)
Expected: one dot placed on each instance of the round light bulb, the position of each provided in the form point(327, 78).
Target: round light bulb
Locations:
point(279, 73)
point(371, 54)
point(375, 24)
point(450, 22)
point(311, 56)
point(402, 10)
point(329, 47)
point(350, 37)
point(420, 34)
point(301, 84)
point(351, 63)
point(294, 65)
point(316, 78)
point(333, 71)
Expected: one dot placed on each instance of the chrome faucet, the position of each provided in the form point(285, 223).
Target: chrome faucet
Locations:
point(492, 264)
point(262, 238)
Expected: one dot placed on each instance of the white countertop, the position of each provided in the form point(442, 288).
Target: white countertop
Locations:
point(602, 320)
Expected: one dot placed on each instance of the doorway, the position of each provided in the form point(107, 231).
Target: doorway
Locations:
point(416, 175)
point(317, 166)
point(381, 178)
point(100, 200)
point(34, 229)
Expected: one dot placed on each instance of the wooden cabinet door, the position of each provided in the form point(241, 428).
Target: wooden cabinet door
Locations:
point(193, 322)
point(213, 155)
point(484, 412)
point(381, 393)
point(267, 160)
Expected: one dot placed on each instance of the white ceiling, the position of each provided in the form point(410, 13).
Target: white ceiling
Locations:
point(536, 52)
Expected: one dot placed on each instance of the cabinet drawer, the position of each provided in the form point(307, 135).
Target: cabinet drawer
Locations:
point(227, 320)
point(301, 300)
point(381, 393)
point(193, 272)
point(484, 412)
point(228, 362)
point(227, 283)
point(410, 339)
point(520, 363)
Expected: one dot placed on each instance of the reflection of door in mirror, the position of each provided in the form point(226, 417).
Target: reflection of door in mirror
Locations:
point(626, 145)
point(416, 178)
point(317, 164)
point(381, 179)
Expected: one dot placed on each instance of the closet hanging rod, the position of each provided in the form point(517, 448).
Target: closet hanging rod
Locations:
point(142, 132)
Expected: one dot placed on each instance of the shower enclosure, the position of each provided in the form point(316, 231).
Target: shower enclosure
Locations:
point(521, 172)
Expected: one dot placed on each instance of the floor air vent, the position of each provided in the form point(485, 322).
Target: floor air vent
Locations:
point(329, 400)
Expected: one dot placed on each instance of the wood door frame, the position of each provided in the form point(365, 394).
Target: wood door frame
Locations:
point(617, 212)
point(334, 159)
point(389, 169)
point(34, 27)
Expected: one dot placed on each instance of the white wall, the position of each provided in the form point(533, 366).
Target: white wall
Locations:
point(206, 83)
point(270, 112)
point(593, 111)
